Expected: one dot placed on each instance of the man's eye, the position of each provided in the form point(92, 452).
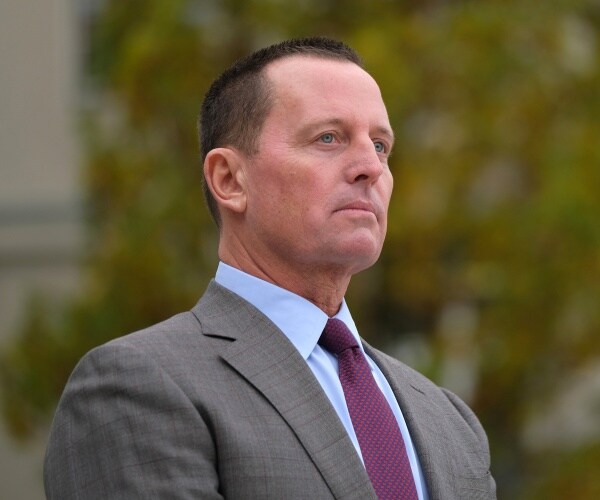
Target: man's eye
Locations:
point(379, 147)
point(327, 138)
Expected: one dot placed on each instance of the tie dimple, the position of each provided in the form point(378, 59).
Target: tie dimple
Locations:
point(336, 337)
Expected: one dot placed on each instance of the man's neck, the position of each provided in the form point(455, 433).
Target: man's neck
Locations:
point(324, 288)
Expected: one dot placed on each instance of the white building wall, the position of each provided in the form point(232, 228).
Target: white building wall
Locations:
point(40, 233)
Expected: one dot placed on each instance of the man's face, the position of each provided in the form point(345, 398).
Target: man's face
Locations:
point(319, 185)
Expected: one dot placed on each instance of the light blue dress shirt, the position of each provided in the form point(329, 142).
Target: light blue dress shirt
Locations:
point(302, 322)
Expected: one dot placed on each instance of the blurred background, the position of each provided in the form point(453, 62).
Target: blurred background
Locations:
point(490, 278)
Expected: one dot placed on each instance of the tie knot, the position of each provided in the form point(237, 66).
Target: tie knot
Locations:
point(336, 337)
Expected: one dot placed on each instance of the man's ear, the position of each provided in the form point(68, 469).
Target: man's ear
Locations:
point(225, 176)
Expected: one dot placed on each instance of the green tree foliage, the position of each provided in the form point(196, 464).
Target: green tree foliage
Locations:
point(490, 278)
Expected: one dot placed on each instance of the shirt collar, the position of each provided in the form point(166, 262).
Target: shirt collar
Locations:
point(300, 320)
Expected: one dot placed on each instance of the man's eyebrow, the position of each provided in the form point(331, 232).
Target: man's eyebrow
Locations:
point(321, 123)
point(387, 132)
point(381, 129)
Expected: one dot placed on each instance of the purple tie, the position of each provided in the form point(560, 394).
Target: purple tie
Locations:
point(376, 428)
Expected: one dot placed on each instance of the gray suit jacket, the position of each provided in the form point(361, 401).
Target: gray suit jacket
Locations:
point(216, 402)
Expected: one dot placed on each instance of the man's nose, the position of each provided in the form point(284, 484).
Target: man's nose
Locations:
point(366, 164)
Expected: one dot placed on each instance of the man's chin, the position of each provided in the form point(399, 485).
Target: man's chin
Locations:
point(360, 256)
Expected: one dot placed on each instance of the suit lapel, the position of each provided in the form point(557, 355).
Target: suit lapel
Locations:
point(264, 356)
point(425, 422)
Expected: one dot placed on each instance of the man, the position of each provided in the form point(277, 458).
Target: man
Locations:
point(264, 389)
